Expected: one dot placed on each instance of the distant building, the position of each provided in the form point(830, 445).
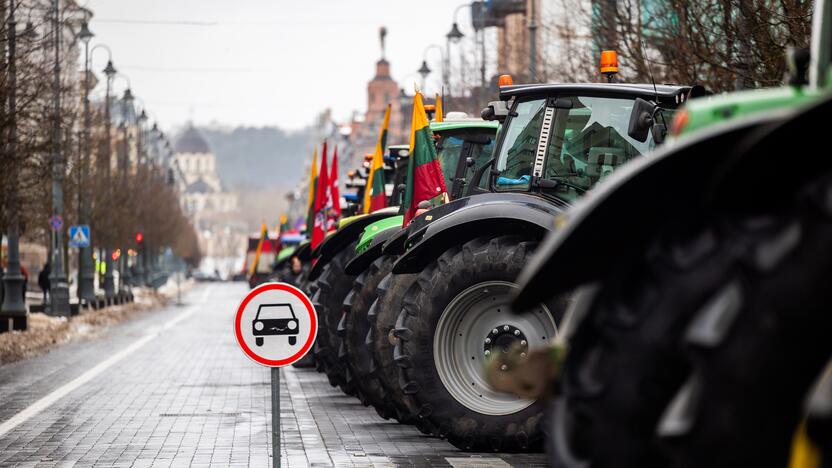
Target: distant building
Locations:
point(213, 209)
point(202, 192)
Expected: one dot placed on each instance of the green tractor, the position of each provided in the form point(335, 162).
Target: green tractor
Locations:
point(445, 306)
point(330, 283)
point(701, 335)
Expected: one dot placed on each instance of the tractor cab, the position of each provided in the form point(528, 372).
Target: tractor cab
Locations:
point(560, 140)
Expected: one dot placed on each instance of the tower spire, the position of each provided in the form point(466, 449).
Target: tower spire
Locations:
point(382, 33)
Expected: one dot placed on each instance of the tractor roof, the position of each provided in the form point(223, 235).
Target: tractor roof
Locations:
point(463, 123)
point(620, 89)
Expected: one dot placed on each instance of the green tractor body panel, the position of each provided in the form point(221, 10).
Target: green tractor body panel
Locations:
point(285, 253)
point(370, 232)
point(705, 112)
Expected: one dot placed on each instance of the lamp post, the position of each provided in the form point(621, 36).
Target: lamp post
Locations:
point(453, 37)
point(13, 309)
point(141, 254)
point(124, 164)
point(59, 289)
point(106, 162)
point(86, 277)
point(424, 70)
point(532, 43)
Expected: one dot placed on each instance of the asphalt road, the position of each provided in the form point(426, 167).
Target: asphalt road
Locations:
point(171, 388)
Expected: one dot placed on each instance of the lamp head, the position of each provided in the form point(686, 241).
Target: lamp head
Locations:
point(85, 34)
point(454, 35)
point(110, 70)
point(424, 70)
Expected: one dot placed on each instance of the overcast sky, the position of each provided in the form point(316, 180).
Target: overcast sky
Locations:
point(263, 62)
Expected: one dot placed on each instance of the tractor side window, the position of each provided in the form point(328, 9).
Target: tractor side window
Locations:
point(516, 157)
point(480, 154)
point(589, 141)
point(448, 150)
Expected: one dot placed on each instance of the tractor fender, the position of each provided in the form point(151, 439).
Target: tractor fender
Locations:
point(363, 259)
point(675, 187)
point(482, 215)
point(341, 238)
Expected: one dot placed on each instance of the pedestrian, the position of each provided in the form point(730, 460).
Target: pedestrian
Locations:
point(43, 280)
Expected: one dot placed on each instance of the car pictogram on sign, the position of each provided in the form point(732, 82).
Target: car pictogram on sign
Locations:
point(275, 320)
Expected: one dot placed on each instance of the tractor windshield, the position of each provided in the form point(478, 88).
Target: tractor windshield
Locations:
point(588, 140)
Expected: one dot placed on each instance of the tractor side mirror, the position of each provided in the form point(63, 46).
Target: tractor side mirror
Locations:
point(641, 119)
point(396, 197)
point(496, 110)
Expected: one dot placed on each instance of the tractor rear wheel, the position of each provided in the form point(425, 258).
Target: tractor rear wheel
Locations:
point(454, 316)
point(380, 342)
point(356, 332)
point(333, 286)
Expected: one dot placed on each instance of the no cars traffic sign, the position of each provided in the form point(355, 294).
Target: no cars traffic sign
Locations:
point(275, 324)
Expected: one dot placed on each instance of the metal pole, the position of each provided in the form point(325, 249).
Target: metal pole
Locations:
point(13, 310)
point(532, 44)
point(447, 68)
point(86, 279)
point(59, 289)
point(482, 60)
point(109, 278)
point(276, 417)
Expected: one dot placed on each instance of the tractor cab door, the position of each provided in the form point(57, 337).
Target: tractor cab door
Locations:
point(461, 152)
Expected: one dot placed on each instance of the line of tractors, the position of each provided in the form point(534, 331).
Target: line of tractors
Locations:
point(631, 275)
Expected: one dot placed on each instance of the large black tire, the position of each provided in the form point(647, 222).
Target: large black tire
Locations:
point(625, 361)
point(761, 341)
point(382, 317)
point(483, 261)
point(743, 304)
point(356, 332)
point(333, 286)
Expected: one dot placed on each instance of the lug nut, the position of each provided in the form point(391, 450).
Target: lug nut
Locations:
point(495, 331)
point(516, 332)
point(487, 340)
point(504, 367)
point(522, 354)
point(523, 343)
point(487, 352)
point(505, 327)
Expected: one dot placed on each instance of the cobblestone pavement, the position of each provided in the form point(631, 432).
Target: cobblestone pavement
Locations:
point(171, 388)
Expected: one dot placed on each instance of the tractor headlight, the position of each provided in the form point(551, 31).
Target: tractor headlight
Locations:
point(292, 324)
point(258, 326)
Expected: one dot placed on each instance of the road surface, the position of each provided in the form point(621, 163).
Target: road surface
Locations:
point(171, 388)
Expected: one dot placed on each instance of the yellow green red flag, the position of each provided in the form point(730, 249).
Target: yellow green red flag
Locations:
point(375, 197)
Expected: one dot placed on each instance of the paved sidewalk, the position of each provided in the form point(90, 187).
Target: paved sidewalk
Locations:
point(171, 388)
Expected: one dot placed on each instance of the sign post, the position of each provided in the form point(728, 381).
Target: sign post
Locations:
point(275, 325)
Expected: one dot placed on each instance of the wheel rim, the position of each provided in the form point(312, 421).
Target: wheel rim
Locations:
point(465, 336)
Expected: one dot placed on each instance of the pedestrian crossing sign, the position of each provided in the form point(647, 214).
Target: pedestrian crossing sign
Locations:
point(79, 236)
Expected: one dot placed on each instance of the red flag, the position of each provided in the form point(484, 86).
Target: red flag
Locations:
point(321, 199)
point(334, 191)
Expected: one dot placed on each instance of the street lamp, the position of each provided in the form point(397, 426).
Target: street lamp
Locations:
point(453, 37)
point(424, 70)
point(59, 289)
point(86, 277)
point(106, 162)
point(13, 309)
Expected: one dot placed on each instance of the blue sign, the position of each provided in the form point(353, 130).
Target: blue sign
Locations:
point(56, 222)
point(79, 236)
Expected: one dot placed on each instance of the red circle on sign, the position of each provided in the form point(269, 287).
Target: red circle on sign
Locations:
point(313, 329)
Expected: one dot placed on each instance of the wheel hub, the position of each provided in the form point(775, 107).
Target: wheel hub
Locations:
point(502, 338)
